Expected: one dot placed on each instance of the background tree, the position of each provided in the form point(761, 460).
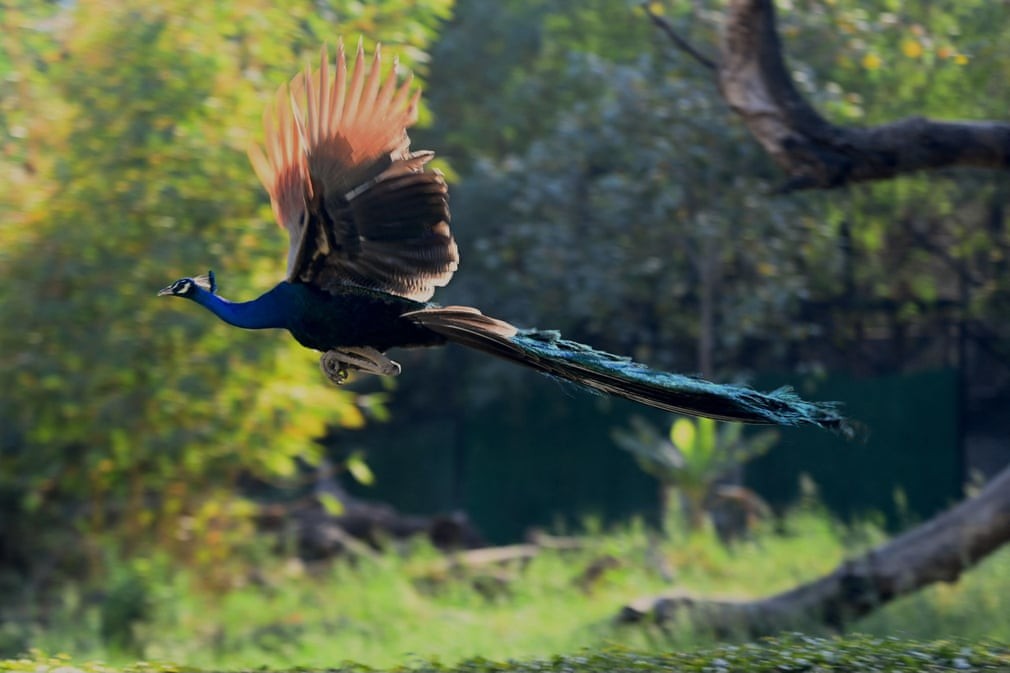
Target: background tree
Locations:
point(588, 198)
point(125, 135)
point(933, 245)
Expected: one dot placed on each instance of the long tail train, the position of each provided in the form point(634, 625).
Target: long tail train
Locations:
point(547, 352)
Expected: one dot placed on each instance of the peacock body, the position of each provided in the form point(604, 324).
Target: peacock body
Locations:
point(324, 320)
point(370, 241)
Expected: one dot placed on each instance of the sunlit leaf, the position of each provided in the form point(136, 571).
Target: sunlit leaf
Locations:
point(359, 469)
point(683, 434)
point(330, 503)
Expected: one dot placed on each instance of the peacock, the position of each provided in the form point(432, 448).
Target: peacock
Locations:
point(368, 223)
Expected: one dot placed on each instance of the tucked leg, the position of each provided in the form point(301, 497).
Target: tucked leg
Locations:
point(337, 363)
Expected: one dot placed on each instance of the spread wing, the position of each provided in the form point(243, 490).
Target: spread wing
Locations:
point(358, 206)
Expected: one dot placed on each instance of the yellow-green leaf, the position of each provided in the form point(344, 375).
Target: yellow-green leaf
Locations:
point(359, 470)
point(331, 504)
point(682, 434)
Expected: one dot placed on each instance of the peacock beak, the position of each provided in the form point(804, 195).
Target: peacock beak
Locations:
point(165, 291)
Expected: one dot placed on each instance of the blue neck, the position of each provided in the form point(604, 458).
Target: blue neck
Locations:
point(264, 312)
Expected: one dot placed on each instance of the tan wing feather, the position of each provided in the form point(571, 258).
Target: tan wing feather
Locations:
point(283, 170)
point(331, 139)
point(359, 123)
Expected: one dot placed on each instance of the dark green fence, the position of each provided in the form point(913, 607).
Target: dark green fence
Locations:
point(907, 467)
point(545, 458)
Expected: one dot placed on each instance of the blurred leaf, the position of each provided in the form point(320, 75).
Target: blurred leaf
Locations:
point(331, 503)
point(683, 434)
point(359, 469)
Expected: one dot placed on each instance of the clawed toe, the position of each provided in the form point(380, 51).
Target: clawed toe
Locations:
point(337, 364)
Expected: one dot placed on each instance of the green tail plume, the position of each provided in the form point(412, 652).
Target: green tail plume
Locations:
point(547, 352)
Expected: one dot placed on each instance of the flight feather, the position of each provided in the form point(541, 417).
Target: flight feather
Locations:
point(360, 208)
point(547, 352)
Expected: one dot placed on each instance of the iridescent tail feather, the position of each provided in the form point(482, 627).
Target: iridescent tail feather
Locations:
point(547, 352)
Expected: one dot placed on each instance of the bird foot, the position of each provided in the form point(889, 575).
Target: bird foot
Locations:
point(337, 364)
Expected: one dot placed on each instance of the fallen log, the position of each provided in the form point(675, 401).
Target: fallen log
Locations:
point(939, 550)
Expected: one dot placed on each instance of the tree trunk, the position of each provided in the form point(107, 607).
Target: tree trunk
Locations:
point(938, 550)
point(756, 84)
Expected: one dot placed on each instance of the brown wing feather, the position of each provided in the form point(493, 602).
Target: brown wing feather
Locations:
point(359, 207)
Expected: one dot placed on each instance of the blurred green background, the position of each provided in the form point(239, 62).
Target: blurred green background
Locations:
point(599, 186)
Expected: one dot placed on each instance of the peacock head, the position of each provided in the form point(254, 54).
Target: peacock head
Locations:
point(186, 287)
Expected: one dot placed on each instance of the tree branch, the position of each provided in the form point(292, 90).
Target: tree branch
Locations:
point(936, 551)
point(756, 84)
point(677, 40)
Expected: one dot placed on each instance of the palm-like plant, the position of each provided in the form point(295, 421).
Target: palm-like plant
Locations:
point(692, 459)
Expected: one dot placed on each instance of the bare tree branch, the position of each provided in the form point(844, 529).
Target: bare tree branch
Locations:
point(936, 551)
point(756, 84)
point(675, 37)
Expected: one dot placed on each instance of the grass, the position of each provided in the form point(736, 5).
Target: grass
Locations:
point(786, 654)
point(397, 610)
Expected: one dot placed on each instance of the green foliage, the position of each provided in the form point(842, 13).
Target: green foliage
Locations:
point(917, 246)
point(697, 454)
point(498, 80)
point(639, 191)
point(126, 417)
point(787, 652)
point(606, 189)
point(401, 609)
point(603, 188)
point(127, 606)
